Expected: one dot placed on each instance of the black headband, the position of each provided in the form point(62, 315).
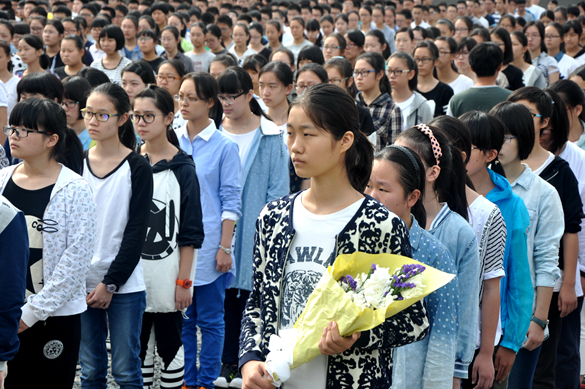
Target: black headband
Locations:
point(412, 159)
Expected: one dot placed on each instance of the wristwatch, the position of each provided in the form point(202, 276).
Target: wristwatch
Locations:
point(227, 251)
point(541, 323)
point(111, 288)
point(187, 283)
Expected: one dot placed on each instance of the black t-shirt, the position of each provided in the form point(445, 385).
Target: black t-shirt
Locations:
point(33, 204)
point(515, 77)
point(154, 64)
point(55, 60)
point(441, 95)
point(366, 122)
point(265, 52)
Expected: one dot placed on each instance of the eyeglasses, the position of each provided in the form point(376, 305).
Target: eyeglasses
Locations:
point(100, 117)
point(180, 98)
point(551, 36)
point(443, 53)
point(337, 81)
point(327, 48)
point(363, 73)
point(229, 99)
point(424, 60)
point(166, 78)
point(22, 132)
point(302, 87)
point(462, 54)
point(508, 139)
point(536, 115)
point(147, 117)
point(70, 104)
point(69, 32)
point(396, 73)
point(86, 15)
point(535, 36)
point(545, 132)
point(37, 29)
point(144, 39)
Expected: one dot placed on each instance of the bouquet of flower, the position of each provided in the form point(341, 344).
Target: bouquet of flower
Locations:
point(359, 292)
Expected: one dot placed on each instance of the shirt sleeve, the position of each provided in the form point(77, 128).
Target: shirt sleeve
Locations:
point(191, 228)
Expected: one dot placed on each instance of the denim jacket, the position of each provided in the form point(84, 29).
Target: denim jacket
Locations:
point(455, 232)
point(516, 293)
point(547, 225)
point(428, 363)
point(373, 229)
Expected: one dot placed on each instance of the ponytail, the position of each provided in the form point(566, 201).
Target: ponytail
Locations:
point(36, 43)
point(163, 100)
point(377, 62)
point(119, 98)
point(236, 80)
point(332, 109)
point(70, 153)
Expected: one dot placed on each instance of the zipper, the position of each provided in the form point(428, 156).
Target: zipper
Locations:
point(280, 287)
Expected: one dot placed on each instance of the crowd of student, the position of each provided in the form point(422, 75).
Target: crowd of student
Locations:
point(184, 169)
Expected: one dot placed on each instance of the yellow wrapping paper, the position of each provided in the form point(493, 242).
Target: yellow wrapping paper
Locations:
point(329, 302)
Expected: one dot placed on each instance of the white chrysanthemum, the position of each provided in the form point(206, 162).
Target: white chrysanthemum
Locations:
point(414, 292)
point(389, 299)
point(376, 286)
point(360, 300)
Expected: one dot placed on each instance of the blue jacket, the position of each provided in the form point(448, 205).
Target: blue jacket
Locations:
point(455, 232)
point(428, 364)
point(516, 292)
point(264, 179)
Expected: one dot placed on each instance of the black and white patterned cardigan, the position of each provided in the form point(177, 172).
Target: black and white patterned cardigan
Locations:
point(373, 229)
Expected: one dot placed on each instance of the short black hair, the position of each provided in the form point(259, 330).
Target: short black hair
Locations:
point(225, 19)
point(161, 6)
point(518, 121)
point(487, 131)
point(485, 59)
point(312, 53)
point(574, 11)
point(63, 10)
point(113, 32)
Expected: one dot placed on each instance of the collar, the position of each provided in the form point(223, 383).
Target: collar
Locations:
point(205, 134)
point(384, 98)
point(268, 127)
point(559, 56)
point(525, 179)
point(443, 213)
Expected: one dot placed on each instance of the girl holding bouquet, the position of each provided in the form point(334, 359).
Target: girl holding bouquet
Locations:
point(299, 236)
point(398, 182)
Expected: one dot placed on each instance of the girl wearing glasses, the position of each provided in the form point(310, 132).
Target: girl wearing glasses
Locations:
point(136, 76)
point(334, 46)
point(199, 57)
point(218, 171)
point(171, 41)
point(402, 74)
point(462, 57)
point(169, 77)
point(446, 70)
point(501, 37)
point(374, 93)
point(111, 41)
point(355, 40)
point(115, 281)
point(61, 220)
point(532, 76)
point(425, 56)
point(264, 161)
point(554, 36)
point(175, 233)
point(463, 26)
point(534, 32)
point(213, 39)
point(329, 148)
point(545, 209)
point(147, 42)
point(72, 54)
point(256, 33)
point(75, 91)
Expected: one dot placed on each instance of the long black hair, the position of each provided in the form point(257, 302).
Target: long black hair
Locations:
point(47, 115)
point(344, 68)
point(37, 43)
point(332, 109)
point(410, 64)
point(119, 98)
point(164, 101)
point(571, 93)
point(207, 89)
point(411, 176)
point(559, 122)
point(377, 62)
point(236, 80)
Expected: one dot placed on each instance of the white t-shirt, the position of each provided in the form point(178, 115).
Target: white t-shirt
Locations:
point(312, 251)
point(246, 54)
point(244, 142)
point(422, 24)
point(10, 87)
point(566, 66)
point(296, 49)
point(536, 10)
point(201, 62)
point(461, 83)
point(405, 110)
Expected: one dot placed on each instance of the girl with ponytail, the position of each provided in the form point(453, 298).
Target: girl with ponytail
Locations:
point(30, 51)
point(176, 191)
point(327, 146)
point(398, 182)
point(445, 204)
point(61, 220)
point(264, 161)
point(115, 282)
point(374, 93)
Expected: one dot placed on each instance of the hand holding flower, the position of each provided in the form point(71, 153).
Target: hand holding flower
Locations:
point(332, 343)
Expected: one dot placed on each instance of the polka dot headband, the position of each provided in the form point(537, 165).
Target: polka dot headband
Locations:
point(434, 144)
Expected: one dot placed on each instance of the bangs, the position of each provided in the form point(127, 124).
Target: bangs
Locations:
point(229, 82)
point(35, 114)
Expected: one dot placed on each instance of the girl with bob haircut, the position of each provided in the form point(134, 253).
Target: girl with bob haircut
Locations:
point(425, 56)
point(310, 54)
point(334, 46)
point(398, 182)
point(136, 76)
point(445, 204)
point(543, 242)
point(573, 32)
point(313, 31)
point(168, 270)
point(574, 99)
point(462, 57)
point(75, 91)
point(374, 94)
point(265, 178)
point(52, 36)
point(171, 41)
point(355, 40)
point(446, 70)
point(402, 74)
point(534, 32)
point(147, 42)
point(115, 280)
point(463, 26)
point(111, 41)
point(404, 40)
point(341, 22)
point(30, 51)
point(52, 196)
point(213, 40)
point(501, 36)
point(336, 153)
point(218, 171)
point(531, 74)
point(256, 34)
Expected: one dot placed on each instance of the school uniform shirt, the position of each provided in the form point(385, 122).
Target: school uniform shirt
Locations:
point(546, 64)
point(121, 224)
point(11, 95)
point(533, 77)
point(175, 221)
point(441, 95)
point(566, 65)
point(247, 53)
point(115, 74)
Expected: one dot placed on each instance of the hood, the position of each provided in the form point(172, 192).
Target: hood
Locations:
point(66, 176)
point(553, 169)
point(417, 102)
point(503, 189)
point(180, 159)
